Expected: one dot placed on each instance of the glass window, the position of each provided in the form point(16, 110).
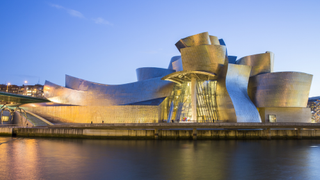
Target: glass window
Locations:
point(5, 118)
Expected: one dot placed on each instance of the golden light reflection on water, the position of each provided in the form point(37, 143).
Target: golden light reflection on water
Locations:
point(27, 158)
point(4, 155)
point(19, 158)
point(24, 158)
point(201, 161)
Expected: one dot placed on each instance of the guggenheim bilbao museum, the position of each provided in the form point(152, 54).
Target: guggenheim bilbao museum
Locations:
point(202, 85)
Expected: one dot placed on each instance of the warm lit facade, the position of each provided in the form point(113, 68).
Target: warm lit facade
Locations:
point(27, 90)
point(204, 84)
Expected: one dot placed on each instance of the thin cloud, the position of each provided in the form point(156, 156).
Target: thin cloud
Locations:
point(72, 12)
point(100, 20)
point(57, 6)
point(75, 13)
point(78, 14)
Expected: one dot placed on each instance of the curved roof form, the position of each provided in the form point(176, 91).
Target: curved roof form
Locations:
point(60, 94)
point(176, 63)
point(197, 40)
point(100, 94)
point(261, 63)
point(80, 84)
point(281, 89)
point(214, 40)
point(145, 73)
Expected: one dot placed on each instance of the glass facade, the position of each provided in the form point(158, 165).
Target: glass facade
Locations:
point(177, 106)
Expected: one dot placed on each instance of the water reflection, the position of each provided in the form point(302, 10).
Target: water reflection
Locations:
point(28, 158)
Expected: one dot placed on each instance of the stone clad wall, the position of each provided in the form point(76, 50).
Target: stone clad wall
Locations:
point(162, 134)
point(97, 114)
point(6, 131)
point(296, 114)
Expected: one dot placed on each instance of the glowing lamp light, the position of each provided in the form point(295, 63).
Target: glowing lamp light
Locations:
point(25, 82)
point(9, 84)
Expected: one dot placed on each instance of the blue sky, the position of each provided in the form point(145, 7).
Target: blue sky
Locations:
point(105, 41)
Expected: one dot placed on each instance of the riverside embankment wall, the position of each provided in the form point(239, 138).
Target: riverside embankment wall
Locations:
point(159, 134)
point(5, 131)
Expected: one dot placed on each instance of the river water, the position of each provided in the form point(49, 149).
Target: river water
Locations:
point(40, 158)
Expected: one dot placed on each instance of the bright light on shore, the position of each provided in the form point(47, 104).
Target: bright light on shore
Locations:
point(25, 82)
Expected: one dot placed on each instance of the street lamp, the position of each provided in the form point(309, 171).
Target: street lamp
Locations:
point(7, 86)
point(23, 88)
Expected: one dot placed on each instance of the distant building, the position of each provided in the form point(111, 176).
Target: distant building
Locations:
point(314, 105)
point(27, 90)
point(31, 90)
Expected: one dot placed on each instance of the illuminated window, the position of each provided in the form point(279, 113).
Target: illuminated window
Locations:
point(5, 118)
point(177, 106)
point(272, 118)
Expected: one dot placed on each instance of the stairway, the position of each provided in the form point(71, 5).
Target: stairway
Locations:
point(35, 121)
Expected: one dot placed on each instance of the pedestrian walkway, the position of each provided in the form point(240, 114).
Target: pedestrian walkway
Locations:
point(35, 120)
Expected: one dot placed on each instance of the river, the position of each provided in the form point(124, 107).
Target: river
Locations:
point(41, 158)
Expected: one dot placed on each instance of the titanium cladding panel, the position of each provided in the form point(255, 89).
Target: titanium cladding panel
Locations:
point(214, 40)
point(237, 83)
point(195, 40)
point(121, 94)
point(175, 63)
point(281, 89)
point(226, 111)
point(203, 58)
point(261, 63)
point(59, 94)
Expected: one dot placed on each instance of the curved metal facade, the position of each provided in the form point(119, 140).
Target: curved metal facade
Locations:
point(237, 83)
point(121, 94)
point(195, 40)
point(261, 63)
point(226, 111)
point(203, 58)
point(202, 52)
point(151, 72)
point(214, 40)
point(59, 94)
point(210, 86)
point(176, 63)
point(281, 89)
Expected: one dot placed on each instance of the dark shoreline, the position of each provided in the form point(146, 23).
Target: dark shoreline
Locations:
point(160, 131)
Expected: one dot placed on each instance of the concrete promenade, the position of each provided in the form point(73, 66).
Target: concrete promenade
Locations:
point(188, 125)
point(171, 131)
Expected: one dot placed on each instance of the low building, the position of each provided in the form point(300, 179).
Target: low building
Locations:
point(31, 90)
point(27, 90)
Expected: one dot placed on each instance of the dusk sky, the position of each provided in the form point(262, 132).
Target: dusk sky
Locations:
point(106, 41)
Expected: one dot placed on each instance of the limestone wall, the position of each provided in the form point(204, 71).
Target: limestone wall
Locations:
point(6, 131)
point(290, 114)
point(98, 114)
point(165, 134)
